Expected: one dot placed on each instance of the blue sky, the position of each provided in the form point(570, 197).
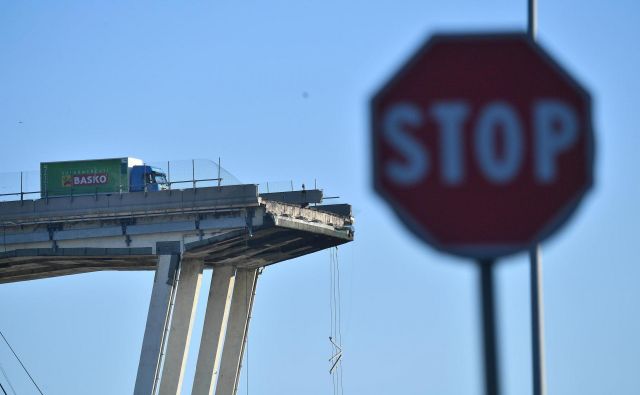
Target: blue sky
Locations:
point(280, 91)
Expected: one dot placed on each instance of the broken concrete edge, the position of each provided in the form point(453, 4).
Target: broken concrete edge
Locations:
point(345, 232)
point(278, 209)
point(344, 210)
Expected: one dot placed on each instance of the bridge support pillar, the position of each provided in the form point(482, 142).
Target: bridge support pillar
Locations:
point(179, 336)
point(159, 306)
point(237, 329)
point(213, 332)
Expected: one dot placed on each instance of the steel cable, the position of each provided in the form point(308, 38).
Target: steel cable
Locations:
point(21, 364)
point(6, 377)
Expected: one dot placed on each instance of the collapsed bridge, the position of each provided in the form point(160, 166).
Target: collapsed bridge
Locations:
point(232, 229)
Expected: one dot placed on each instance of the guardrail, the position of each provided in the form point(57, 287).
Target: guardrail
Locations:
point(22, 192)
point(196, 172)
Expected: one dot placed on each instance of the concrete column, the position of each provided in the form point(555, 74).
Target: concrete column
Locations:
point(236, 332)
point(213, 332)
point(179, 336)
point(246, 331)
point(156, 322)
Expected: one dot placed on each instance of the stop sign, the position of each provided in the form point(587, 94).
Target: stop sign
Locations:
point(482, 144)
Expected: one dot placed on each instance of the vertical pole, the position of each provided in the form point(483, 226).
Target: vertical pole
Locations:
point(169, 173)
point(144, 176)
point(21, 190)
point(44, 189)
point(492, 384)
point(535, 263)
point(219, 179)
point(193, 172)
point(537, 337)
point(532, 17)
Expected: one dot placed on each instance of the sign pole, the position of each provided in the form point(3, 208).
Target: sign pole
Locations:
point(532, 17)
point(537, 340)
point(535, 263)
point(491, 381)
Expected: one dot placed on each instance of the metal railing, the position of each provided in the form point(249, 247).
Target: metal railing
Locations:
point(196, 172)
point(193, 180)
point(22, 191)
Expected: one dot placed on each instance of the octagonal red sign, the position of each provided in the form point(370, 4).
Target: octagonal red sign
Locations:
point(482, 144)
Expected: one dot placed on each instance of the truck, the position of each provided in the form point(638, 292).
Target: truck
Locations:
point(99, 176)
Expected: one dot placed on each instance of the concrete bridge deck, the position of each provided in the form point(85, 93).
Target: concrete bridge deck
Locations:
point(230, 225)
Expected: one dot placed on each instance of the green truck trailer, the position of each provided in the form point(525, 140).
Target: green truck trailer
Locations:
point(99, 176)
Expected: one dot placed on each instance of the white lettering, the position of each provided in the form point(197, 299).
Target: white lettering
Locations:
point(555, 125)
point(498, 141)
point(90, 179)
point(450, 116)
point(498, 117)
point(416, 160)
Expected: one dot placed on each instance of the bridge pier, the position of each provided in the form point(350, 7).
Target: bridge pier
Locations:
point(184, 309)
point(224, 334)
point(237, 329)
point(213, 332)
point(157, 317)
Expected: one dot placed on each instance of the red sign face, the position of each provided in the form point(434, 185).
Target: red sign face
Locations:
point(482, 144)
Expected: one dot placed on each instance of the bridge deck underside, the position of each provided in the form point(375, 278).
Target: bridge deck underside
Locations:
point(244, 248)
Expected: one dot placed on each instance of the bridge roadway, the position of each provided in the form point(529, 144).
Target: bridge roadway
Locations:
point(232, 229)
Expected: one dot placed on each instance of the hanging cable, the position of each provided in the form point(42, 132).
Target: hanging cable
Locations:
point(3, 391)
point(246, 340)
point(335, 337)
point(250, 293)
point(167, 326)
point(339, 309)
point(21, 364)
point(6, 377)
point(332, 310)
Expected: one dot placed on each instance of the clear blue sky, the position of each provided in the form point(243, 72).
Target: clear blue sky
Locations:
point(279, 90)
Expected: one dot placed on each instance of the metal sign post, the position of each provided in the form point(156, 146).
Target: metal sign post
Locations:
point(537, 339)
point(489, 332)
point(535, 264)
